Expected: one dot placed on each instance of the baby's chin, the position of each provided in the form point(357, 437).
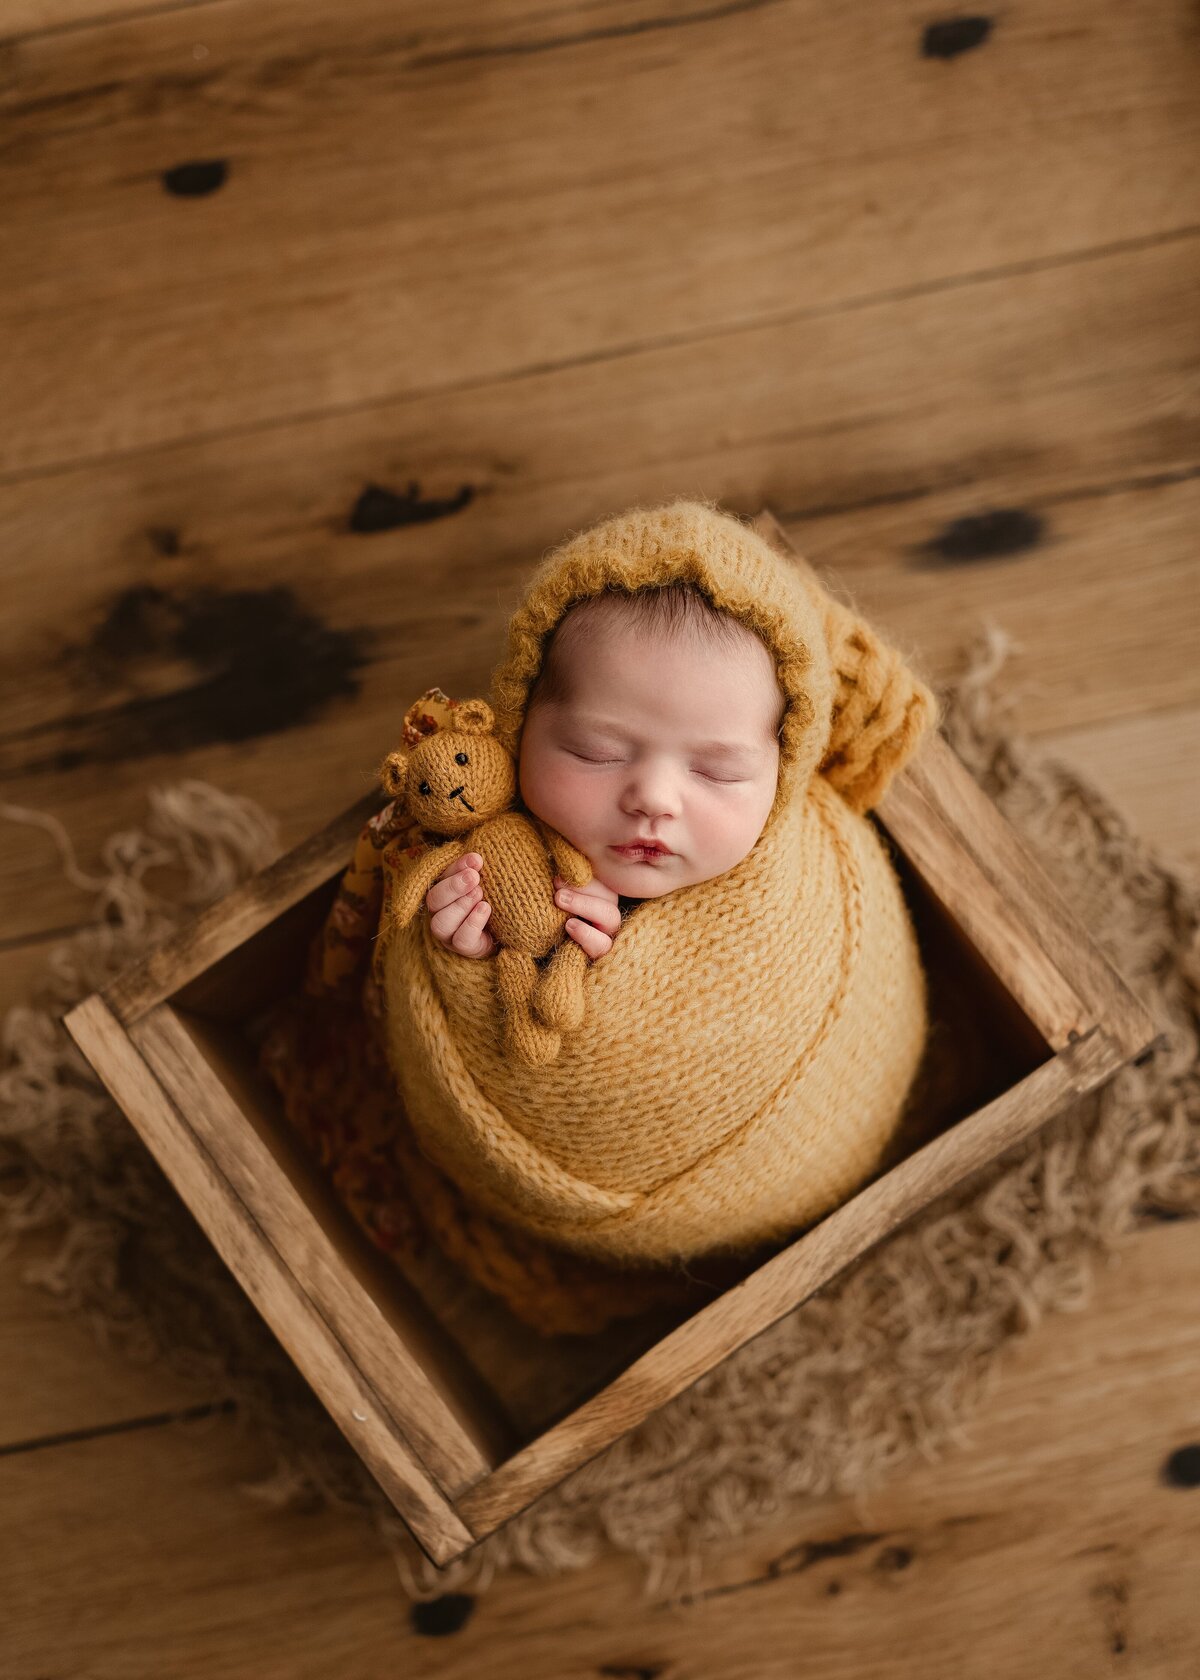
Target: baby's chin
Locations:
point(636, 880)
point(651, 880)
point(637, 889)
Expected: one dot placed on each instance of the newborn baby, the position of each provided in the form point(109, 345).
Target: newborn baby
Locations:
point(708, 728)
point(651, 743)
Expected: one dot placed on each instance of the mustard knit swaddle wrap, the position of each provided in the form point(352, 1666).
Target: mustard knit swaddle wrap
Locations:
point(748, 1041)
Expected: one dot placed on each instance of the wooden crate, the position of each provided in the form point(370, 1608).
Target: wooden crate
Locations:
point(463, 1414)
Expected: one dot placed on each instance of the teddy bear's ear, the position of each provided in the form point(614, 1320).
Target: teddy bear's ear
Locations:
point(392, 773)
point(474, 716)
point(880, 710)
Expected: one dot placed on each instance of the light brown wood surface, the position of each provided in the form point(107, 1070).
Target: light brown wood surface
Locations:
point(520, 267)
point(1049, 1543)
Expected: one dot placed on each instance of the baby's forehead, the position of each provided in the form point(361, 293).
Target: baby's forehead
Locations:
point(583, 633)
point(690, 651)
point(606, 658)
point(733, 710)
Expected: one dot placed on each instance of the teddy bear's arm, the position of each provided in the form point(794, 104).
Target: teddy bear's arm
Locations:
point(409, 889)
point(574, 868)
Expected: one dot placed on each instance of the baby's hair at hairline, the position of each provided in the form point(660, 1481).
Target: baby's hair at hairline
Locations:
point(680, 609)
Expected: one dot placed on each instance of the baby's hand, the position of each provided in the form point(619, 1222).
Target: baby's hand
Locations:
point(595, 917)
point(458, 909)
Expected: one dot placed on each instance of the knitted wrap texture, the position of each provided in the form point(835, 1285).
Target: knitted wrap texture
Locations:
point(749, 1040)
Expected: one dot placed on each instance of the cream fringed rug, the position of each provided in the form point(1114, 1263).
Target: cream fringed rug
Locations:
point(888, 1361)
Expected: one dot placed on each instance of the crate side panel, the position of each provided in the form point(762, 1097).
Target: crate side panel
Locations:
point(249, 980)
point(785, 1281)
point(990, 879)
point(269, 1285)
point(237, 917)
point(980, 1041)
point(434, 1397)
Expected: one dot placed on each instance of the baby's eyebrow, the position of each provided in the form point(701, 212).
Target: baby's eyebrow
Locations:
point(728, 749)
point(712, 749)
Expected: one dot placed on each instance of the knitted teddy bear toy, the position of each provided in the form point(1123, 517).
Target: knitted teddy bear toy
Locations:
point(459, 784)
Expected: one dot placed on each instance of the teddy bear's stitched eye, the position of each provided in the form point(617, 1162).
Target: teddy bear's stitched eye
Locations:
point(425, 789)
point(461, 758)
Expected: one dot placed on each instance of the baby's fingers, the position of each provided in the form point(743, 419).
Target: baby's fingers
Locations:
point(472, 938)
point(595, 943)
point(460, 926)
point(583, 902)
point(595, 888)
point(459, 881)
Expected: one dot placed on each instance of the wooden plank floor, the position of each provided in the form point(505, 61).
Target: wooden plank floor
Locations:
point(317, 325)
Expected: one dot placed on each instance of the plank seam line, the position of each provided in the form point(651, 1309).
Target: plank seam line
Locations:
point(427, 60)
point(1154, 480)
point(106, 20)
point(667, 341)
point(124, 1426)
point(615, 31)
point(19, 941)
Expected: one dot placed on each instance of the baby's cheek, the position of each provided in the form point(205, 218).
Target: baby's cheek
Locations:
point(557, 800)
point(732, 831)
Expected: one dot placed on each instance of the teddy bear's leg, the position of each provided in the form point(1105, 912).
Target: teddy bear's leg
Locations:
point(558, 995)
point(525, 1038)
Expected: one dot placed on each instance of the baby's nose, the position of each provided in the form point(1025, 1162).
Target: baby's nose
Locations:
point(653, 799)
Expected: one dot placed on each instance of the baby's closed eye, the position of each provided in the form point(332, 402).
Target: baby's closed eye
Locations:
point(705, 773)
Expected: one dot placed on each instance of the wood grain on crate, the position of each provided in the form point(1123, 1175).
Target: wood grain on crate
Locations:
point(313, 1342)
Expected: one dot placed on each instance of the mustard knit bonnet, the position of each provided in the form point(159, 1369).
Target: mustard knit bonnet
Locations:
point(749, 1040)
point(693, 543)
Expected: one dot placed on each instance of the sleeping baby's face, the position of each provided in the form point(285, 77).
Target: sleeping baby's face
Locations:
point(662, 737)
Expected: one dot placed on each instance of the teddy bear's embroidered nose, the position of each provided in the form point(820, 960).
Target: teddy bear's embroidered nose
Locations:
point(455, 793)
